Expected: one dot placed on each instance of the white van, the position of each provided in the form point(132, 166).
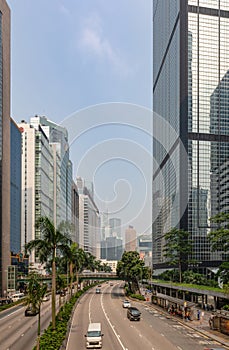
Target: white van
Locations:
point(94, 336)
point(17, 296)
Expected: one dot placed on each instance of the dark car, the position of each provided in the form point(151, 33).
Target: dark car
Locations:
point(29, 311)
point(133, 314)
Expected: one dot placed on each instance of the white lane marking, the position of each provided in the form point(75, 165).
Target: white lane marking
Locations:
point(112, 327)
point(179, 348)
point(89, 313)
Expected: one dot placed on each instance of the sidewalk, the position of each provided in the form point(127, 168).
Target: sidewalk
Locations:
point(200, 326)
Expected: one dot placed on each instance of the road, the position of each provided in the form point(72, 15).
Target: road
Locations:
point(153, 332)
point(19, 332)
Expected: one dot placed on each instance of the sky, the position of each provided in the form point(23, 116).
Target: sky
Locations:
point(87, 65)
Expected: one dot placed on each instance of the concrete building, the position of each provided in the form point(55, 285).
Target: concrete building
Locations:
point(5, 144)
point(130, 239)
point(62, 173)
point(89, 222)
point(190, 95)
point(15, 188)
point(37, 182)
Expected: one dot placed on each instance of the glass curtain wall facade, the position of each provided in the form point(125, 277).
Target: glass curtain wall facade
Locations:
point(15, 189)
point(191, 65)
point(4, 145)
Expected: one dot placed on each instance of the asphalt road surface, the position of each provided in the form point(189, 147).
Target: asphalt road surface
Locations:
point(18, 332)
point(153, 332)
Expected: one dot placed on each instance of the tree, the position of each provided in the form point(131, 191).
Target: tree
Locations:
point(223, 272)
point(46, 247)
point(36, 291)
point(177, 248)
point(219, 238)
point(106, 268)
point(132, 269)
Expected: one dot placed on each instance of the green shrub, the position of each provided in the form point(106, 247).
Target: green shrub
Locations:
point(226, 307)
point(137, 296)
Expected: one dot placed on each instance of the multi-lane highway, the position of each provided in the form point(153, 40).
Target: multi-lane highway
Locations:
point(153, 332)
point(18, 332)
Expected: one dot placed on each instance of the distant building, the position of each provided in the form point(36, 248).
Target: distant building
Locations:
point(89, 222)
point(130, 239)
point(115, 225)
point(75, 212)
point(111, 248)
point(15, 188)
point(144, 247)
point(104, 225)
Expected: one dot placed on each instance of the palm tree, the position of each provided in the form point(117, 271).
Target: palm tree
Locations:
point(80, 264)
point(72, 260)
point(46, 247)
point(36, 291)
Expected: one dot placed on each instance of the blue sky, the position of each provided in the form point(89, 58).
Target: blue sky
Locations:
point(69, 55)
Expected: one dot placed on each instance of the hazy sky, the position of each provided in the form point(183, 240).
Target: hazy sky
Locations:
point(69, 55)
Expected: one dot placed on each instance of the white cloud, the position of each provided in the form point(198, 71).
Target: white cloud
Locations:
point(93, 40)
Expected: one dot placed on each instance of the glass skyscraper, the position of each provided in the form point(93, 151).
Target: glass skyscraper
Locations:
point(15, 188)
point(4, 144)
point(191, 97)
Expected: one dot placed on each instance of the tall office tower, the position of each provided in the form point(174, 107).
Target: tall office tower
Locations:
point(89, 223)
point(111, 249)
point(15, 188)
point(5, 144)
point(37, 182)
point(115, 225)
point(104, 224)
point(75, 212)
point(190, 99)
point(130, 239)
point(58, 139)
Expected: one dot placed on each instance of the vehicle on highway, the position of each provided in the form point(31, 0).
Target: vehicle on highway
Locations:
point(94, 336)
point(29, 311)
point(111, 284)
point(126, 304)
point(17, 296)
point(46, 298)
point(98, 291)
point(133, 314)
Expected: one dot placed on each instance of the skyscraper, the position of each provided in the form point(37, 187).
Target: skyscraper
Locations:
point(115, 224)
point(190, 95)
point(89, 223)
point(15, 188)
point(130, 239)
point(37, 182)
point(4, 144)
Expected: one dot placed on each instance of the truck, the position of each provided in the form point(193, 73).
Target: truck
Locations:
point(94, 336)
